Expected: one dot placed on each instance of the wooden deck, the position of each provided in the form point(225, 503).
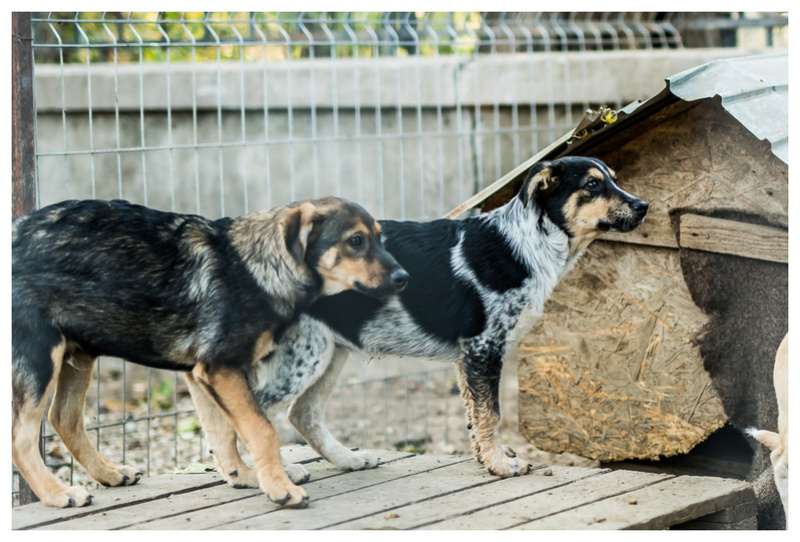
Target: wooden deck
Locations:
point(410, 491)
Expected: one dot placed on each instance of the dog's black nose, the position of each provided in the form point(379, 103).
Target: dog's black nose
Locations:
point(399, 278)
point(640, 207)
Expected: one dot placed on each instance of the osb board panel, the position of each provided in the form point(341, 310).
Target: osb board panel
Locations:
point(701, 160)
point(609, 371)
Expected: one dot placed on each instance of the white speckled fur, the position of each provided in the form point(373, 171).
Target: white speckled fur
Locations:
point(393, 331)
point(546, 253)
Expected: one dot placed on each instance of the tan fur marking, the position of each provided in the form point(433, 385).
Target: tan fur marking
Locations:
point(66, 417)
point(376, 274)
point(259, 234)
point(25, 446)
point(228, 388)
point(584, 218)
point(338, 272)
point(341, 272)
point(483, 423)
point(260, 240)
point(198, 244)
point(540, 181)
point(221, 439)
point(264, 345)
point(596, 173)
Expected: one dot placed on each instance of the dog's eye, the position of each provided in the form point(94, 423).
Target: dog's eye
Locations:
point(592, 184)
point(356, 241)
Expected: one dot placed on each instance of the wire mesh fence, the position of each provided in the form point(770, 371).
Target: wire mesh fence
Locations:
point(226, 113)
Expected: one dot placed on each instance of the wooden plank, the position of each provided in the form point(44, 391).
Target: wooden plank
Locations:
point(559, 499)
point(469, 498)
point(36, 515)
point(657, 506)
point(431, 492)
point(296, 453)
point(134, 514)
point(734, 237)
point(695, 497)
point(740, 517)
point(152, 488)
point(326, 480)
point(166, 508)
point(368, 492)
point(23, 144)
point(157, 487)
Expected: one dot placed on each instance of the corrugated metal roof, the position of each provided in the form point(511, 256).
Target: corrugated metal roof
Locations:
point(754, 90)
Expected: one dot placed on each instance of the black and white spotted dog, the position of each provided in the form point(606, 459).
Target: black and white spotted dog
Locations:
point(476, 286)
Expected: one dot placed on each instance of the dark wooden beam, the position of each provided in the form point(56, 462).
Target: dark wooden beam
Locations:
point(23, 160)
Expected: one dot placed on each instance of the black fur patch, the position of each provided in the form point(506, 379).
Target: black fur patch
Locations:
point(443, 305)
point(109, 276)
point(345, 313)
point(440, 303)
point(491, 258)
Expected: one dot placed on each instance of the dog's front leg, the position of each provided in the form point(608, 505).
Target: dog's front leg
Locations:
point(231, 393)
point(479, 381)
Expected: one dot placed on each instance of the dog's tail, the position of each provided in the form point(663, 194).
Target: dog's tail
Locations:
point(769, 438)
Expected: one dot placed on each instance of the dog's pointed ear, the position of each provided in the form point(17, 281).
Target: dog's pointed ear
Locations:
point(542, 179)
point(298, 227)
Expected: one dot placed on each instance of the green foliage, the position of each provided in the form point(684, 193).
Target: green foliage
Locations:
point(188, 427)
point(247, 36)
point(162, 396)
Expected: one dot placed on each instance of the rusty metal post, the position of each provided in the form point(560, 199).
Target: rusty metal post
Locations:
point(23, 159)
point(23, 146)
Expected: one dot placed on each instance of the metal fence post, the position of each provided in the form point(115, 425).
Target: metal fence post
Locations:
point(23, 160)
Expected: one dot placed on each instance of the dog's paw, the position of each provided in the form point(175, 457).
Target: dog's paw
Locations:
point(119, 475)
point(297, 473)
point(540, 469)
point(505, 463)
point(68, 498)
point(509, 468)
point(241, 478)
point(288, 495)
point(360, 460)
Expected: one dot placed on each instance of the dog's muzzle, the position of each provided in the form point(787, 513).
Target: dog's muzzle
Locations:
point(638, 212)
point(394, 283)
point(628, 217)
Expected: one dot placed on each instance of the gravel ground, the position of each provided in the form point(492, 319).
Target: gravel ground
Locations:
point(374, 407)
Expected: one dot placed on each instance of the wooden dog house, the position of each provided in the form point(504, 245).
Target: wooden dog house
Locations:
point(660, 336)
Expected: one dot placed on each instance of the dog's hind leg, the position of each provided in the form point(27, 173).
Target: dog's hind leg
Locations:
point(32, 380)
point(233, 396)
point(479, 382)
point(66, 417)
point(307, 414)
point(221, 438)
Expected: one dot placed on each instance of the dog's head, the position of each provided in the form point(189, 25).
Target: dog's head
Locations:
point(341, 242)
point(581, 197)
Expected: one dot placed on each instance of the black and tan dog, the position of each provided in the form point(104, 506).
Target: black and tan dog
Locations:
point(172, 291)
point(476, 287)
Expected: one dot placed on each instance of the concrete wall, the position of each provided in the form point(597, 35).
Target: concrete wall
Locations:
point(408, 137)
